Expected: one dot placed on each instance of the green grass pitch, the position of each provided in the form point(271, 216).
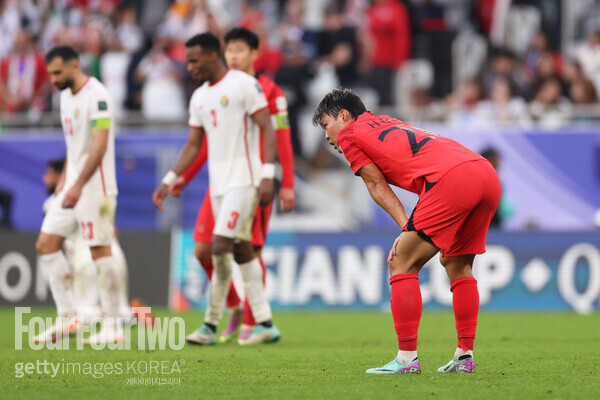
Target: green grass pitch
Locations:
point(325, 355)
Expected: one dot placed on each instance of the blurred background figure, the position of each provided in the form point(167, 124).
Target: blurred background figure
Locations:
point(162, 94)
point(504, 107)
point(389, 25)
point(550, 108)
point(24, 83)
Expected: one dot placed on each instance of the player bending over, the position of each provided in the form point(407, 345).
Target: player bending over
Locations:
point(458, 193)
point(231, 110)
point(241, 49)
point(87, 199)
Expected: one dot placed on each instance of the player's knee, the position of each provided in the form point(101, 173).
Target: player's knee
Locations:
point(221, 245)
point(203, 253)
point(243, 252)
point(406, 266)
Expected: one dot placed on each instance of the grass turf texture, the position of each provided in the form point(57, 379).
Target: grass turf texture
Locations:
point(325, 355)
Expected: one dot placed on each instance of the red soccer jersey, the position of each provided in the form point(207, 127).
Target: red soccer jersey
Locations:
point(408, 157)
point(279, 112)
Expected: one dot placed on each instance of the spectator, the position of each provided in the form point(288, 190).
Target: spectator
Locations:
point(129, 33)
point(504, 63)
point(549, 108)
point(389, 25)
point(113, 71)
point(269, 57)
point(338, 46)
point(298, 45)
point(547, 68)
point(162, 92)
point(582, 92)
point(24, 83)
point(463, 103)
point(589, 58)
point(540, 47)
point(504, 107)
point(9, 26)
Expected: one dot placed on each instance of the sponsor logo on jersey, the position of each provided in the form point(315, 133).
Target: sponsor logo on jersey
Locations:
point(76, 113)
point(224, 101)
point(258, 87)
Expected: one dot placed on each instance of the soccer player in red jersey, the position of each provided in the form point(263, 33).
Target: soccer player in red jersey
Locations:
point(459, 192)
point(241, 49)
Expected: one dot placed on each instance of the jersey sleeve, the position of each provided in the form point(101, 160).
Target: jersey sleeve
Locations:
point(100, 106)
point(353, 151)
point(254, 97)
point(279, 113)
point(194, 120)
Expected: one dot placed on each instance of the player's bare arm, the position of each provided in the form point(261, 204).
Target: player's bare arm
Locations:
point(186, 157)
point(100, 143)
point(266, 187)
point(380, 191)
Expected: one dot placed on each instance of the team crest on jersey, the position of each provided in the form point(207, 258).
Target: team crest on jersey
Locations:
point(76, 113)
point(258, 88)
point(281, 103)
point(102, 106)
point(224, 101)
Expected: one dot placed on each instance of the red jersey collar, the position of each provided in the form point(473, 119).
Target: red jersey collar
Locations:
point(219, 80)
point(82, 86)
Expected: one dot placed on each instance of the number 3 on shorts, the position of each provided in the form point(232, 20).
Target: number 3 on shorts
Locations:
point(233, 221)
point(87, 230)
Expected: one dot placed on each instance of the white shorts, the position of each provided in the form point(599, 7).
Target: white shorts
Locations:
point(234, 213)
point(93, 217)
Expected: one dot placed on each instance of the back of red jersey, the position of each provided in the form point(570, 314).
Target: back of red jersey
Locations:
point(408, 157)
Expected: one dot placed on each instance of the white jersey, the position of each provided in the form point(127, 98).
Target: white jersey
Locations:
point(77, 111)
point(224, 110)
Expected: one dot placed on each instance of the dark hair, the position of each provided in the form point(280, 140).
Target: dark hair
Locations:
point(336, 101)
point(243, 34)
point(67, 53)
point(489, 152)
point(56, 165)
point(206, 40)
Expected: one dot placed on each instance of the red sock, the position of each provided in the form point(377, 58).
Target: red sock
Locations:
point(465, 302)
point(248, 317)
point(407, 307)
point(233, 300)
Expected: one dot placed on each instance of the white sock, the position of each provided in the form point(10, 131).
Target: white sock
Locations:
point(59, 278)
point(406, 357)
point(255, 291)
point(460, 352)
point(109, 284)
point(124, 306)
point(221, 279)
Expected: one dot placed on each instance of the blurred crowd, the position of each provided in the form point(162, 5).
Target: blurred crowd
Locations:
point(463, 61)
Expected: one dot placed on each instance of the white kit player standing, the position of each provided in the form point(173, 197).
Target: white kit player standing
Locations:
point(87, 199)
point(231, 109)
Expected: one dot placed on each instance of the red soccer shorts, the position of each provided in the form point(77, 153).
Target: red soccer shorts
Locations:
point(205, 223)
point(455, 213)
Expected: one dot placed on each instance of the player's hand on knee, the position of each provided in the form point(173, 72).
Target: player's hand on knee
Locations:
point(393, 250)
point(286, 199)
point(159, 195)
point(177, 187)
point(265, 192)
